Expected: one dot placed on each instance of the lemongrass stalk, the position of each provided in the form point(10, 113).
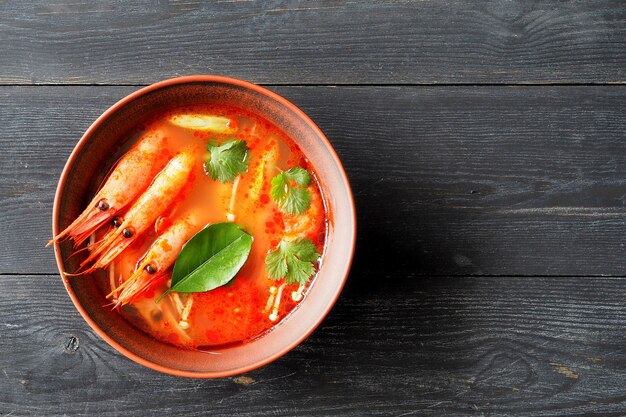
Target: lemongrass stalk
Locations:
point(205, 122)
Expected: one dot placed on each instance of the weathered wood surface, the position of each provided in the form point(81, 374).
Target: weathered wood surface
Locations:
point(401, 345)
point(323, 42)
point(447, 180)
point(489, 277)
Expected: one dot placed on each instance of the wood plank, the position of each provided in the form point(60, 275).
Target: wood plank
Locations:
point(462, 346)
point(305, 42)
point(454, 180)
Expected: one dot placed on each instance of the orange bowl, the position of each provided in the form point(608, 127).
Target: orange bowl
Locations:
point(92, 155)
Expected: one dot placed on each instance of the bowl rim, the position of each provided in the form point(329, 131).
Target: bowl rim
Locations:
point(185, 80)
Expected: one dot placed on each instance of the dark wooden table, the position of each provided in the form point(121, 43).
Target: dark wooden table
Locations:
point(486, 146)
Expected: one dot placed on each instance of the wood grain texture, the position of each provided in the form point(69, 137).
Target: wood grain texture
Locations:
point(489, 277)
point(447, 180)
point(323, 42)
point(462, 346)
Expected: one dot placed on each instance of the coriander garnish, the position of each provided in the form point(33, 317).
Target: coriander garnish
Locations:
point(292, 260)
point(226, 161)
point(292, 199)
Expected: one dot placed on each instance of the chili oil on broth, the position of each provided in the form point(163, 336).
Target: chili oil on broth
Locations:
point(242, 309)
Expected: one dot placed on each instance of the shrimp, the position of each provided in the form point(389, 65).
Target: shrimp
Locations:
point(143, 213)
point(131, 176)
point(309, 223)
point(158, 258)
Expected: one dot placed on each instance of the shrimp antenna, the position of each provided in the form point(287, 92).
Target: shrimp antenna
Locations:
point(80, 271)
point(76, 274)
point(79, 251)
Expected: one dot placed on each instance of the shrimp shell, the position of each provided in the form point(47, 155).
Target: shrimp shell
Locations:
point(158, 258)
point(309, 223)
point(143, 213)
point(130, 177)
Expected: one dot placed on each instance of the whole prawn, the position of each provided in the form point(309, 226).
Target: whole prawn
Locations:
point(143, 213)
point(157, 259)
point(137, 167)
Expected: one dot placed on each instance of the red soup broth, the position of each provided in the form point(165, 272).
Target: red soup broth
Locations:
point(251, 303)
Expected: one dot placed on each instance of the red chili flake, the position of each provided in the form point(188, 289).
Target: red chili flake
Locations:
point(212, 334)
point(172, 338)
point(149, 293)
point(264, 198)
point(258, 317)
point(164, 153)
point(269, 224)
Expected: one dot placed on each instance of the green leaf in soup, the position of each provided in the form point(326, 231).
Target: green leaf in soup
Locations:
point(210, 259)
point(292, 260)
point(227, 161)
point(292, 199)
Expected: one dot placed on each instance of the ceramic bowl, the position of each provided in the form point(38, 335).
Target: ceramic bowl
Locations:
point(92, 155)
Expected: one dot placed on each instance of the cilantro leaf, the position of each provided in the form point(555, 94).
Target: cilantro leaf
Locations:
point(210, 259)
point(292, 199)
point(299, 175)
point(226, 161)
point(292, 260)
point(276, 264)
point(299, 271)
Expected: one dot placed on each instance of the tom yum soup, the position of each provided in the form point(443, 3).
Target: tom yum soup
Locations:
point(210, 228)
